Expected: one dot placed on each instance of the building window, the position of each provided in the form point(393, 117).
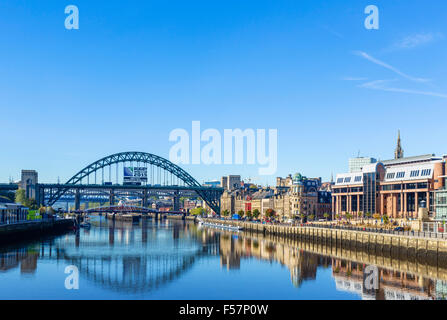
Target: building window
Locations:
point(400, 175)
point(414, 173)
point(390, 175)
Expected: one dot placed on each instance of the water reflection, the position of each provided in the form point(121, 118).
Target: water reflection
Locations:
point(139, 258)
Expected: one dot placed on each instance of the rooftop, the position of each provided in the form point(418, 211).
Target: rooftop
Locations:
point(408, 160)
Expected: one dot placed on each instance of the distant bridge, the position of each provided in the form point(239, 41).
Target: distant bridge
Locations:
point(164, 178)
point(9, 186)
point(120, 209)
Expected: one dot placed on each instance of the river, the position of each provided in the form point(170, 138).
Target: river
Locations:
point(180, 260)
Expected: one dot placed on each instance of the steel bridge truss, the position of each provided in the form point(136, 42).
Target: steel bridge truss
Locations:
point(175, 180)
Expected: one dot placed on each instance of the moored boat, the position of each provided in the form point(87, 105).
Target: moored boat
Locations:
point(220, 226)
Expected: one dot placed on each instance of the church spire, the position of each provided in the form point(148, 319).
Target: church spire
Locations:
point(399, 152)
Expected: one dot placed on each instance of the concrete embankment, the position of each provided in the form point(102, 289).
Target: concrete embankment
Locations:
point(429, 247)
point(30, 229)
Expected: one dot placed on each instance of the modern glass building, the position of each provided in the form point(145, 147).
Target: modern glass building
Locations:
point(358, 191)
point(356, 164)
point(441, 202)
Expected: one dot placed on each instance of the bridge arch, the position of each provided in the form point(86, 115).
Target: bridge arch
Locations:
point(207, 194)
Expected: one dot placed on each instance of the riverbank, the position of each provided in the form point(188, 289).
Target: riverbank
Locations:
point(31, 229)
point(429, 247)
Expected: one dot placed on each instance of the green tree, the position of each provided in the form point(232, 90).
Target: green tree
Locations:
point(226, 213)
point(248, 214)
point(311, 217)
point(269, 213)
point(20, 196)
point(326, 215)
point(199, 211)
point(256, 213)
point(240, 213)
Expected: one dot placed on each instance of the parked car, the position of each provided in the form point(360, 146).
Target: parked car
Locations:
point(399, 229)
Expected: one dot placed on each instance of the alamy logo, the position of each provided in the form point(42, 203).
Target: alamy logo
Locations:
point(72, 280)
point(72, 20)
point(211, 153)
point(371, 279)
point(372, 21)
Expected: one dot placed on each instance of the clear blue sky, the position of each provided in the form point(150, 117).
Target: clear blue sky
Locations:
point(135, 70)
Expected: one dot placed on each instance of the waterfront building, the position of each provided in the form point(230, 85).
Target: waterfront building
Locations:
point(302, 197)
point(284, 182)
point(395, 187)
point(441, 201)
point(357, 192)
point(356, 164)
point(12, 213)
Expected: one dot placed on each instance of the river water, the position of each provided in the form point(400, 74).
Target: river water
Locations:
point(180, 260)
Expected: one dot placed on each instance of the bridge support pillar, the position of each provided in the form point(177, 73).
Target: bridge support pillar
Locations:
point(144, 198)
point(77, 200)
point(40, 196)
point(176, 201)
point(111, 198)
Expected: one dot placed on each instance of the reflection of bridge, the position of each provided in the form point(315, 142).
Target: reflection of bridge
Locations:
point(164, 178)
point(120, 257)
point(105, 257)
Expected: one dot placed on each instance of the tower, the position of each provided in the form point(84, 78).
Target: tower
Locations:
point(399, 152)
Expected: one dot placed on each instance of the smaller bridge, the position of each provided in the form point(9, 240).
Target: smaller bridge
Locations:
point(123, 209)
point(127, 209)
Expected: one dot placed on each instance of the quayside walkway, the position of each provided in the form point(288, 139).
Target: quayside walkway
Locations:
point(419, 243)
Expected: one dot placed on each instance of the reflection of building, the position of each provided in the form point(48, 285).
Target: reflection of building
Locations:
point(26, 259)
point(302, 265)
point(391, 285)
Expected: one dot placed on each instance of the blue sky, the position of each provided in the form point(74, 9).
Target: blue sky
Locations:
point(136, 70)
